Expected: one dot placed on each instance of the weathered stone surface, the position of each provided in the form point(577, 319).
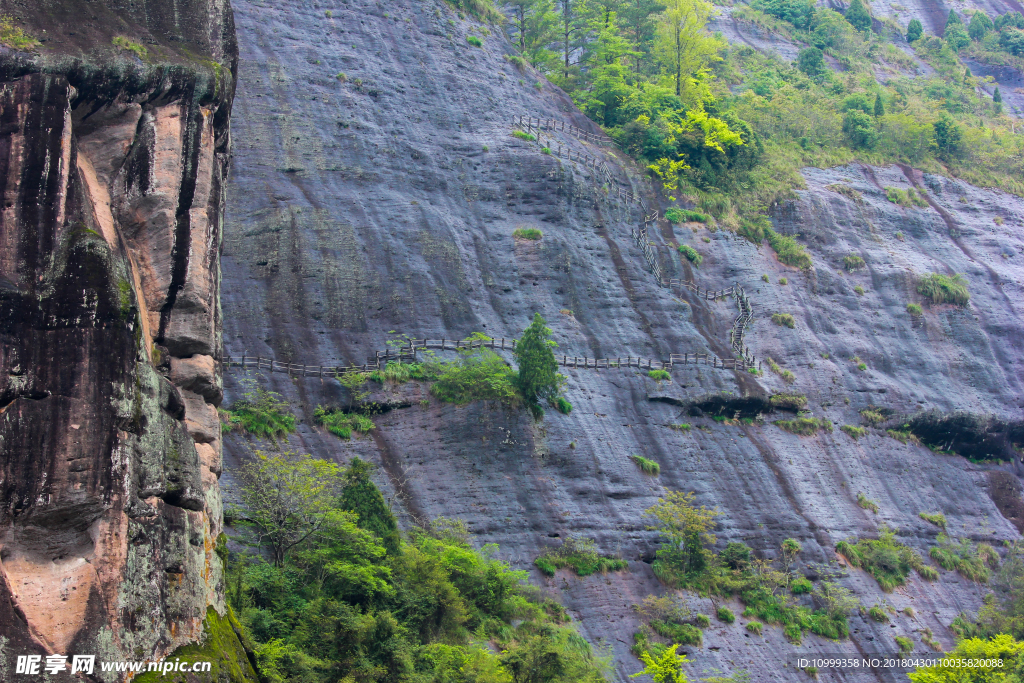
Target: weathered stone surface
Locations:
point(109, 235)
point(355, 210)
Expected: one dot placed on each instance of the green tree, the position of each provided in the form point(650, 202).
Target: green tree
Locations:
point(989, 660)
point(688, 528)
point(951, 19)
point(948, 135)
point(534, 25)
point(879, 106)
point(811, 61)
point(538, 370)
point(1012, 40)
point(914, 30)
point(637, 18)
point(980, 25)
point(956, 36)
point(859, 129)
point(997, 101)
point(572, 23)
point(667, 668)
point(289, 498)
point(683, 44)
point(858, 16)
point(609, 87)
point(361, 496)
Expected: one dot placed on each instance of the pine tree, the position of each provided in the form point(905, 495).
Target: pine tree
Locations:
point(879, 106)
point(997, 101)
point(361, 495)
point(538, 370)
point(980, 25)
point(953, 18)
point(858, 16)
point(914, 30)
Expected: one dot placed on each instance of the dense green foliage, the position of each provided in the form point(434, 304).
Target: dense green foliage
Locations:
point(685, 560)
point(259, 412)
point(691, 254)
point(527, 233)
point(944, 289)
point(341, 605)
point(581, 555)
point(13, 36)
point(784, 320)
point(726, 128)
point(646, 465)
point(969, 560)
point(340, 423)
point(538, 376)
point(478, 374)
point(886, 559)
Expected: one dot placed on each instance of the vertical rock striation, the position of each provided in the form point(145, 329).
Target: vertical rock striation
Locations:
point(112, 169)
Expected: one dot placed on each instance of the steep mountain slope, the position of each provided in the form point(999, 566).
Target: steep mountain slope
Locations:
point(374, 190)
point(110, 509)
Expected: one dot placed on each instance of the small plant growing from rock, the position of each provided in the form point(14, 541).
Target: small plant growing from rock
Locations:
point(659, 375)
point(804, 426)
point(474, 41)
point(691, 254)
point(725, 614)
point(867, 503)
point(14, 37)
point(784, 320)
point(765, 278)
point(327, 14)
point(783, 281)
point(859, 290)
point(646, 466)
point(899, 236)
point(791, 402)
point(854, 432)
point(341, 77)
point(683, 427)
point(944, 289)
point(878, 614)
point(532, 234)
point(529, 137)
point(937, 518)
point(914, 309)
point(545, 150)
point(801, 586)
point(906, 645)
point(852, 263)
point(129, 45)
point(581, 555)
point(754, 627)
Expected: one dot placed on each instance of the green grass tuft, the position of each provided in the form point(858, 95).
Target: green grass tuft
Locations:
point(887, 560)
point(725, 614)
point(659, 375)
point(804, 426)
point(261, 413)
point(14, 37)
point(937, 518)
point(129, 45)
point(691, 254)
point(532, 234)
point(784, 320)
point(852, 262)
point(581, 555)
point(676, 215)
point(944, 289)
point(529, 137)
point(867, 503)
point(854, 432)
point(791, 402)
point(474, 41)
point(340, 423)
point(646, 466)
point(788, 250)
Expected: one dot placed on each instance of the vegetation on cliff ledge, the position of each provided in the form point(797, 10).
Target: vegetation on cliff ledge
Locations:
point(347, 598)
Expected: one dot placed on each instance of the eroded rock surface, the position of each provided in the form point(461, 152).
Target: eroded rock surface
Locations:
point(376, 187)
point(112, 174)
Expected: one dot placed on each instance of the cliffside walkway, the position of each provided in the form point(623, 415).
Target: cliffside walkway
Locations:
point(408, 354)
point(641, 234)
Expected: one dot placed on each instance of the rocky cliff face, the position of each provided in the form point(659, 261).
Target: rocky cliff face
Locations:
point(375, 190)
point(112, 169)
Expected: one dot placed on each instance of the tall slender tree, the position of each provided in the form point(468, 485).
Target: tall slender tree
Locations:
point(637, 19)
point(534, 26)
point(683, 44)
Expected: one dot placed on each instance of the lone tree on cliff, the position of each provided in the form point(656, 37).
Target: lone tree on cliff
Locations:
point(538, 370)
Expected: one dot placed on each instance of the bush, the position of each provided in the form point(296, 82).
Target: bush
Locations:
point(702, 620)
point(791, 402)
point(754, 627)
point(854, 432)
point(937, 518)
point(531, 233)
point(725, 614)
point(341, 423)
point(788, 250)
point(963, 557)
point(581, 555)
point(563, 406)
point(676, 215)
point(878, 614)
point(906, 645)
point(867, 503)
point(904, 436)
point(646, 466)
point(129, 45)
point(478, 374)
point(889, 561)
point(261, 413)
point(851, 263)
point(783, 281)
point(784, 320)
point(801, 586)
point(682, 427)
point(691, 254)
point(684, 634)
point(862, 366)
point(859, 290)
point(659, 375)
point(517, 61)
point(804, 426)
point(474, 41)
point(873, 416)
point(522, 135)
point(13, 37)
point(906, 198)
point(942, 289)
point(395, 372)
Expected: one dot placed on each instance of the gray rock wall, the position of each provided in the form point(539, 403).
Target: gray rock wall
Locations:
point(357, 208)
